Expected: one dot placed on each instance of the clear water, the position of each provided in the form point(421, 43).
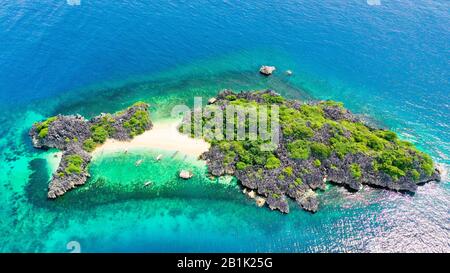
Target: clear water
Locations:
point(389, 62)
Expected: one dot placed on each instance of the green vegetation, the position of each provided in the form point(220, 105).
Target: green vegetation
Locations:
point(319, 142)
point(288, 171)
point(247, 153)
point(387, 135)
point(293, 123)
point(272, 163)
point(272, 99)
point(43, 133)
point(42, 127)
point(333, 103)
point(103, 129)
point(317, 163)
point(355, 170)
point(415, 174)
point(276, 195)
point(309, 134)
point(241, 165)
point(140, 104)
point(320, 150)
point(427, 164)
point(393, 156)
point(89, 145)
point(99, 134)
point(393, 163)
point(299, 149)
point(231, 97)
point(137, 123)
point(74, 164)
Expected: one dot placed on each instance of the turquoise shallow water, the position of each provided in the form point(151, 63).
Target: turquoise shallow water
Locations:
point(389, 63)
point(114, 212)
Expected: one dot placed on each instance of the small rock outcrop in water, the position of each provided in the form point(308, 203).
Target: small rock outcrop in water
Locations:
point(260, 201)
point(186, 174)
point(76, 137)
point(267, 70)
point(319, 142)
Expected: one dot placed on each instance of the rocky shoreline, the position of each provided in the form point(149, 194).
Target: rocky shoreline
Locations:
point(320, 142)
point(76, 137)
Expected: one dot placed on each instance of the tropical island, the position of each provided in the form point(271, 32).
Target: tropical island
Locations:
point(77, 137)
point(319, 142)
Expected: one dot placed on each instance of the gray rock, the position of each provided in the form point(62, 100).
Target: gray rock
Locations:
point(267, 70)
point(186, 174)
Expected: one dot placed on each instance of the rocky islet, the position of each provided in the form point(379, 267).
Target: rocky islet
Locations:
point(320, 142)
point(76, 137)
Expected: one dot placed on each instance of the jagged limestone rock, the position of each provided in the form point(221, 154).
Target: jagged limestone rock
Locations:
point(318, 139)
point(76, 137)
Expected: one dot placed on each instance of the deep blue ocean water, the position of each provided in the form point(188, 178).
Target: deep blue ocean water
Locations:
point(390, 62)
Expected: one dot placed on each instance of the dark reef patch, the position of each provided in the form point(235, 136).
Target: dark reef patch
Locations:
point(36, 188)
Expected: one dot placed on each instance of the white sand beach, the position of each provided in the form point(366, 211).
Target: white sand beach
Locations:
point(53, 159)
point(163, 136)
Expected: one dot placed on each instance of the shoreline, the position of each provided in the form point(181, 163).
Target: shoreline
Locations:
point(163, 136)
point(53, 159)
